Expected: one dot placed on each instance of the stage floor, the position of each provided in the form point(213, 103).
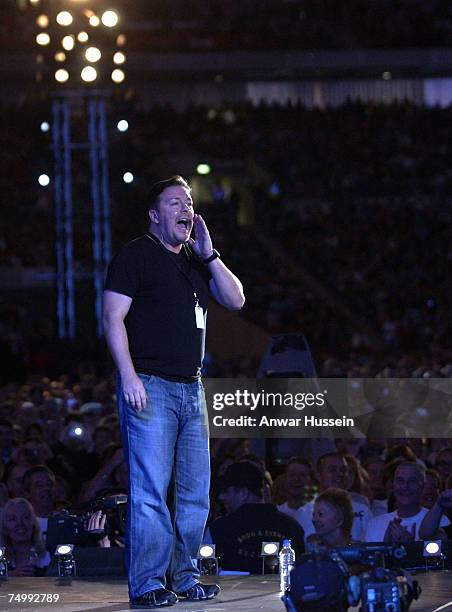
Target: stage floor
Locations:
point(247, 594)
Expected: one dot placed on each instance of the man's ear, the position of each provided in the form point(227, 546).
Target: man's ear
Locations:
point(153, 215)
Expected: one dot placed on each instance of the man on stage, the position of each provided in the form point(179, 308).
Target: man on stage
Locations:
point(155, 305)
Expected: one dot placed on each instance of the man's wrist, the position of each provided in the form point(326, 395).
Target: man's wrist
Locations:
point(213, 255)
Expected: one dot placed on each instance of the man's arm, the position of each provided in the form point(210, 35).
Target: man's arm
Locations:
point(430, 526)
point(224, 285)
point(116, 307)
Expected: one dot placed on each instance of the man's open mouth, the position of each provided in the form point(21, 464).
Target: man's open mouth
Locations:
point(185, 222)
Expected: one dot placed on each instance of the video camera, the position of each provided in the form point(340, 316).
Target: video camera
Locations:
point(72, 528)
point(322, 581)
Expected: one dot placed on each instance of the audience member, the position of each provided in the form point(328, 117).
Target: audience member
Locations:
point(332, 518)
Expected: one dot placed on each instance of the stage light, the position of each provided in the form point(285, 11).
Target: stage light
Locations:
point(78, 431)
point(68, 42)
point(43, 38)
point(118, 75)
point(119, 57)
point(93, 54)
point(386, 76)
point(127, 177)
point(66, 561)
point(82, 37)
point(94, 21)
point(206, 551)
point(34, 1)
point(61, 75)
point(45, 126)
point(207, 561)
point(110, 19)
point(89, 74)
point(64, 18)
point(121, 40)
point(60, 56)
point(203, 169)
point(270, 549)
point(44, 180)
point(432, 548)
point(42, 21)
point(122, 125)
point(3, 562)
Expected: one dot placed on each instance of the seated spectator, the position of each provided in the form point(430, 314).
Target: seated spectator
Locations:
point(442, 508)
point(249, 522)
point(21, 535)
point(332, 519)
point(402, 525)
point(378, 502)
point(6, 440)
point(357, 481)
point(432, 488)
point(332, 471)
point(39, 486)
point(299, 479)
point(443, 463)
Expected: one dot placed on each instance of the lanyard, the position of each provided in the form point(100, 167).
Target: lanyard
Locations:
point(156, 241)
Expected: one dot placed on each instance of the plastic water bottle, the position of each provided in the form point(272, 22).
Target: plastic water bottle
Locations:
point(286, 564)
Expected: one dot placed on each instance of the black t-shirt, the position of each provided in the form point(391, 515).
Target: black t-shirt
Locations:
point(238, 536)
point(161, 326)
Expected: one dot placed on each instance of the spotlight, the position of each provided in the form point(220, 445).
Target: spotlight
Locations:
point(121, 40)
point(203, 169)
point(269, 554)
point(434, 557)
point(127, 177)
point(61, 75)
point(3, 563)
point(94, 21)
point(93, 54)
point(60, 56)
point(118, 75)
point(68, 42)
point(45, 126)
point(82, 37)
point(43, 39)
point(42, 21)
point(34, 1)
point(66, 561)
point(43, 180)
point(64, 18)
point(432, 548)
point(78, 431)
point(207, 561)
point(110, 19)
point(119, 57)
point(88, 74)
point(122, 125)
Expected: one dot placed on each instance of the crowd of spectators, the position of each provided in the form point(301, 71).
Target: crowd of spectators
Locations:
point(181, 25)
point(60, 453)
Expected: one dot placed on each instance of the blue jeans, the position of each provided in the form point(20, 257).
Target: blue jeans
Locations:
point(168, 439)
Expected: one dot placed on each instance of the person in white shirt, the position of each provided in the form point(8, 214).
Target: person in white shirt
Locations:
point(298, 478)
point(402, 525)
point(332, 471)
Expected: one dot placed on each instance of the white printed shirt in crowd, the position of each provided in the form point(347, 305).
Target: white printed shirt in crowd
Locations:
point(377, 526)
point(379, 506)
point(304, 516)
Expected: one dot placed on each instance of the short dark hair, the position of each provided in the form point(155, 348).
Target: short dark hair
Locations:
point(321, 460)
point(27, 477)
point(158, 188)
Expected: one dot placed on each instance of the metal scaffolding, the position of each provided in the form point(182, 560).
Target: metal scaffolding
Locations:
point(96, 147)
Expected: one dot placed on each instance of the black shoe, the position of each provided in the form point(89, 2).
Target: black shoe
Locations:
point(200, 591)
point(158, 598)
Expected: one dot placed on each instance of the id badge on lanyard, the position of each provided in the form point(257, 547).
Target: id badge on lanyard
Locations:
point(199, 314)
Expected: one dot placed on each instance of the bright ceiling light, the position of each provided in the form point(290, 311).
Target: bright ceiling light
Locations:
point(34, 1)
point(43, 38)
point(121, 40)
point(127, 177)
point(94, 21)
point(123, 125)
point(68, 43)
point(42, 21)
point(110, 19)
point(88, 74)
point(203, 169)
point(119, 57)
point(64, 18)
point(61, 75)
point(60, 56)
point(82, 37)
point(118, 75)
point(93, 54)
point(45, 126)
